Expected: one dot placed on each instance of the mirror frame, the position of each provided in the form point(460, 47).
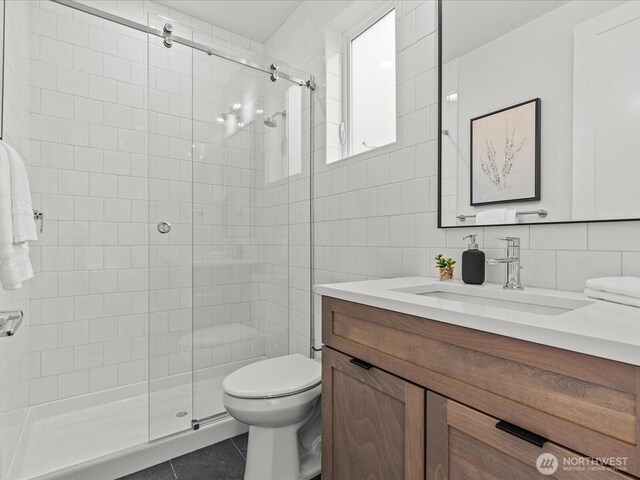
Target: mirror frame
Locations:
point(440, 2)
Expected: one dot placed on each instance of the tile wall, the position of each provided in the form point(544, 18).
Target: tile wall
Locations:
point(14, 351)
point(375, 214)
point(228, 213)
point(89, 176)
point(103, 270)
point(286, 233)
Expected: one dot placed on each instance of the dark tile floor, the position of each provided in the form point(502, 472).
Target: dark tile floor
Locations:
point(221, 461)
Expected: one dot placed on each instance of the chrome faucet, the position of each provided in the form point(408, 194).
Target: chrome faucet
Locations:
point(512, 260)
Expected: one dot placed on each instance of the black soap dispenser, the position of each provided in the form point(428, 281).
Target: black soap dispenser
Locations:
point(473, 262)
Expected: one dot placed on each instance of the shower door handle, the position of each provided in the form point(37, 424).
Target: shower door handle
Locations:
point(342, 132)
point(164, 227)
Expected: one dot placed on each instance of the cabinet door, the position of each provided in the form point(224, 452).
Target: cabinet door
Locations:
point(463, 443)
point(373, 422)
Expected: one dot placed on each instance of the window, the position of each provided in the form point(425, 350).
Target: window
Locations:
point(360, 66)
point(371, 86)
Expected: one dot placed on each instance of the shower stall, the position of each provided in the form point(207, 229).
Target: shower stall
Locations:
point(173, 170)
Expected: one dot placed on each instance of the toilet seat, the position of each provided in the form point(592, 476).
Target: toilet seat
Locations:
point(275, 377)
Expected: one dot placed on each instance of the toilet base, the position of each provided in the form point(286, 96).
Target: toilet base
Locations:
point(285, 453)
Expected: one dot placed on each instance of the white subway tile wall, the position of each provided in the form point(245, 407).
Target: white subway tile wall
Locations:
point(16, 362)
point(90, 293)
point(114, 301)
point(393, 190)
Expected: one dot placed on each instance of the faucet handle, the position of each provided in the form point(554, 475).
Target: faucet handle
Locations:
point(512, 241)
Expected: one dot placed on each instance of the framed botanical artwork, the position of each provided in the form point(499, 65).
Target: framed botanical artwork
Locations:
point(505, 155)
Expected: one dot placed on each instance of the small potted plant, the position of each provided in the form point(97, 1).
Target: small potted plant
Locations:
point(446, 267)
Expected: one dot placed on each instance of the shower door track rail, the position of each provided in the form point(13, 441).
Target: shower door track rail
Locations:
point(169, 38)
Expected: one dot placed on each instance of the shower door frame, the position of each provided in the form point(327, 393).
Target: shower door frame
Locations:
point(169, 39)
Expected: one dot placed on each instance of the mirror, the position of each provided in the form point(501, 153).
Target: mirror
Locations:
point(539, 111)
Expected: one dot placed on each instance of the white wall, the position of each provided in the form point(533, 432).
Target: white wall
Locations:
point(376, 215)
point(14, 351)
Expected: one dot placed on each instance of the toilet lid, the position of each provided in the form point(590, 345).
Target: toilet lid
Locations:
point(275, 377)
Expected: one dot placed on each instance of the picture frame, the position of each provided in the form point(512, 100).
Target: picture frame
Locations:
point(505, 155)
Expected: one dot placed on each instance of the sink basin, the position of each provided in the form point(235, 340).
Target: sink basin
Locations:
point(519, 301)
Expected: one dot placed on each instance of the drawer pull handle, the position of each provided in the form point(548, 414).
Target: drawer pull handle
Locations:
point(361, 364)
point(521, 433)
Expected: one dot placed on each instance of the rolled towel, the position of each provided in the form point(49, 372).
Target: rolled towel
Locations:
point(628, 286)
point(511, 216)
point(613, 297)
point(494, 216)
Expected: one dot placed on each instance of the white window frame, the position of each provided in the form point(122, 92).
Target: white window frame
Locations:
point(346, 126)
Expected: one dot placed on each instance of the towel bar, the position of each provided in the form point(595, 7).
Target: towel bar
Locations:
point(541, 213)
point(38, 215)
point(9, 322)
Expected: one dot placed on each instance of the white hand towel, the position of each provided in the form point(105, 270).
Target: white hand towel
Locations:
point(15, 266)
point(511, 216)
point(613, 297)
point(495, 216)
point(9, 272)
point(24, 226)
point(629, 286)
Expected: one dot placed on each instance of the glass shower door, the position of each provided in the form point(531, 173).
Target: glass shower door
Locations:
point(170, 233)
point(229, 227)
point(225, 145)
point(241, 218)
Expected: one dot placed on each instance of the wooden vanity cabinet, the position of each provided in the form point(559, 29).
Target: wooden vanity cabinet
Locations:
point(467, 444)
point(373, 422)
point(577, 402)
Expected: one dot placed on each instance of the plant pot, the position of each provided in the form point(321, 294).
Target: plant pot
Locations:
point(446, 273)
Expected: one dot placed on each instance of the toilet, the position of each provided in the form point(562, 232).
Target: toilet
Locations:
point(279, 399)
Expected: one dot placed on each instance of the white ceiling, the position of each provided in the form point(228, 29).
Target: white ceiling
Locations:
point(255, 19)
point(467, 24)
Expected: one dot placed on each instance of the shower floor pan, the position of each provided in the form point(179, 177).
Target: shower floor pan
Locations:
point(59, 437)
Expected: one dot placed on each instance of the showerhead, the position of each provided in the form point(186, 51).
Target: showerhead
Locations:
point(271, 121)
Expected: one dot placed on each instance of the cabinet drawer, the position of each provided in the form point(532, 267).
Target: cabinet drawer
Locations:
point(464, 443)
point(373, 423)
point(586, 403)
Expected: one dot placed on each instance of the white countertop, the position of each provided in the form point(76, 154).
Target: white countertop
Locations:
point(602, 329)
